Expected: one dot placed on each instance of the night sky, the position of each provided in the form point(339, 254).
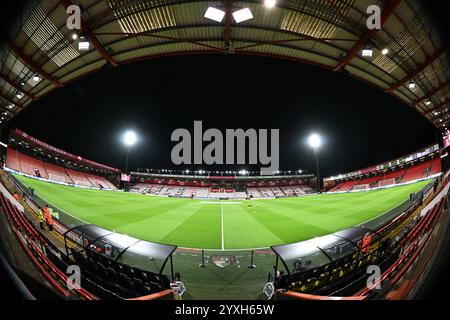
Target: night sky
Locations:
point(361, 125)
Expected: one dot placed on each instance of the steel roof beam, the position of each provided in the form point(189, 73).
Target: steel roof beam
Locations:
point(31, 64)
point(432, 92)
point(419, 69)
point(438, 108)
point(16, 86)
point(17, 104)
point(91, 36)
point(388, 10)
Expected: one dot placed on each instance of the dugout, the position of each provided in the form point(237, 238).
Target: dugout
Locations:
point(121, 254)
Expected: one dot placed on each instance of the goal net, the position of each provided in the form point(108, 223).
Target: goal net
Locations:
point(361, 187)
point(387, 182)
point(56, 177)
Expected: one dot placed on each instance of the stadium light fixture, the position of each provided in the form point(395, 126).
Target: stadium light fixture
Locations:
point(270, 3)
point(411, 85)
point(83, 44)
point(130, 138)
point(367, 52)
point(385, 51)
point(242, 15)
point(428, 102)
point(214, 14)
point(36, 78)
point(19, 95)
point(315, 141)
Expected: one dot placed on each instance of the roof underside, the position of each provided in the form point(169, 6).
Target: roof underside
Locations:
point(326, 33)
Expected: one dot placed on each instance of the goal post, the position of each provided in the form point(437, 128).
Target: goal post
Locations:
point(387, 182)
point(361, 187)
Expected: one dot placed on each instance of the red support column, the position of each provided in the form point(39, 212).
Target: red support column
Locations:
point(11, 102)
point(15, 86)
point(432, 92)
point(227, 31)
point(92, 38)
point(31, 64)
point(388, 10)
point(419, 69)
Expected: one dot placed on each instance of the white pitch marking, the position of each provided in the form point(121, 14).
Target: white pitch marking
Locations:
point(220, 202)
point(221, 214)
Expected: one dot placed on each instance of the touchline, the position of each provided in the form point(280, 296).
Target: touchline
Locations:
point(257, 142)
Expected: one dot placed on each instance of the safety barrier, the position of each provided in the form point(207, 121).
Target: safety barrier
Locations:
point(27, 235)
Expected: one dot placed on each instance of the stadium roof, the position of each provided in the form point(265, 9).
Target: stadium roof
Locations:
point(42, 55)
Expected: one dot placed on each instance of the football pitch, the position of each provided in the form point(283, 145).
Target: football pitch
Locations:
point(221, 225)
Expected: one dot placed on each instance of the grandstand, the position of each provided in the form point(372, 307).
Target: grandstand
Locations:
point(55, 165)
point(216, 188)
point(420, 165)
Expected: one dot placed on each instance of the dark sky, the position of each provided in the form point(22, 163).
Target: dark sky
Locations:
point(361, 125)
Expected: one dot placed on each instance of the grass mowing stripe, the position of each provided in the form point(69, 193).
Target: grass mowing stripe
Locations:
point(192, 223)
point(221, 216)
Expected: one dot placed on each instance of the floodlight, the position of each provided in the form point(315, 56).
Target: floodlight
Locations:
point(242, 15)
point(129, 138)
point(367, 52)
point(83, 44)
point(411, 85)
point(270, 3)
point(19, 95)
point(428, 102)
point(315, 141)
point(385, 51)
point(10, 106)
point(74, 36)
point(214, 14)
point(36, 78)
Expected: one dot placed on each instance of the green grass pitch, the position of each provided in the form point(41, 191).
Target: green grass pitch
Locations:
point(230, 224)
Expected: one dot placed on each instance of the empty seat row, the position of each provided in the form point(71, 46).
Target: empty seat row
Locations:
point(121, 278)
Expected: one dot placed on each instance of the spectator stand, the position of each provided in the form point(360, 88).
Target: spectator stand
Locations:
point(136, 265)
